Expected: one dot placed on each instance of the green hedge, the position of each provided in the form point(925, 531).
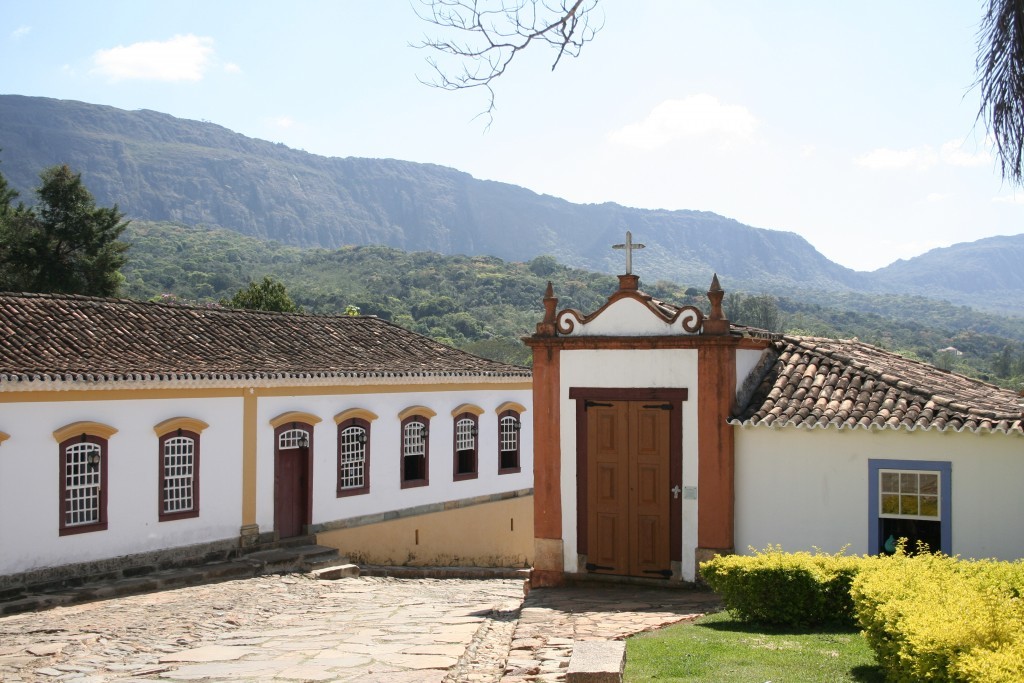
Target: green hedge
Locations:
point(938, 618)
point(787, 589)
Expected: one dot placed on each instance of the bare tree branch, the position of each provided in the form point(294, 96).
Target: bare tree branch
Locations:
point(1000, 67)
point(488, 34)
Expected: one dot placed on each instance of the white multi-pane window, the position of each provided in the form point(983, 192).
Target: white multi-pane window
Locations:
point(508, 435)
point(465, 447)
point(352, 458)
point(179, 457)
point(414, 453)
point(293, 438)
point(911, 494)
point(83, 480)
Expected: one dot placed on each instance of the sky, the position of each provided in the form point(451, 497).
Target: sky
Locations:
point(853, 125)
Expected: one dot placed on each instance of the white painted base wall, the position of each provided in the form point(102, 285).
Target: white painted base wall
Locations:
point(809, 488)
point(30, 480)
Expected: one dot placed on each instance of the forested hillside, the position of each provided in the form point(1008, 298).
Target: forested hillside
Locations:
point(485, 304)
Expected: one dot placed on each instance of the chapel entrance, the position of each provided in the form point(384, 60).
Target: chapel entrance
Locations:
point(292, 500)
point(628, 488)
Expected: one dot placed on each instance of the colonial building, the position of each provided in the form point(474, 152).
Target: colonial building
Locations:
point(664, 436)
point(131, 428)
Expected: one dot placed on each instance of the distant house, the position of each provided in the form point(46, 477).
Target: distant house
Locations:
point(664, 435)
point(130, 428)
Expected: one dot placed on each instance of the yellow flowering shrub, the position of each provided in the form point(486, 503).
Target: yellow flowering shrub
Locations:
point(791, 589)
point(938, 618)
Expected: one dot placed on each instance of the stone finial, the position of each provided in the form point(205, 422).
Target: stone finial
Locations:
point(547, 328)
point(716, 322)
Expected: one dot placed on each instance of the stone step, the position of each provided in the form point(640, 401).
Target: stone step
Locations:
point(334, 572)
point(596, 661)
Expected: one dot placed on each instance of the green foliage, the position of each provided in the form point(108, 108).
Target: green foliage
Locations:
point(266, 295)
point(65, 244)
point(939, 618)
point(485, 305)
point(788, 589)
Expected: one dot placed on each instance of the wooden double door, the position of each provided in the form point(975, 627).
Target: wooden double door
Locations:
point(629, 488)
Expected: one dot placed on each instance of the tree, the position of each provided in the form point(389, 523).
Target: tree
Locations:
point(267, 295)
point(490, 35)
point(65, 243)
point(493, 32)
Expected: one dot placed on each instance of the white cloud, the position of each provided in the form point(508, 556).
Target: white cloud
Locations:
point(697, 116)
point(182, 58)
point(954, 154)
point(232, 68)
point(283, 122)
point(951, 153)
point(921, 158)
point(1009, 199)
point(935, 197)
point(21, 32)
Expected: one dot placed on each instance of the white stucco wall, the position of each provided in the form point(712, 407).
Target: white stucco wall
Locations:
point(386, 493)
point(30, 480)
point(666, 368)
point(809, 488)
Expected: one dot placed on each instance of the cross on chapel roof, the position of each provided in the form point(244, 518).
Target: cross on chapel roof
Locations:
point(629, 247)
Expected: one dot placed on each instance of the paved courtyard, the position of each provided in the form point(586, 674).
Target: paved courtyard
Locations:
point(296, 628)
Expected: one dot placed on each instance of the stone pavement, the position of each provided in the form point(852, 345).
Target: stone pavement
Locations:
point(367, 629)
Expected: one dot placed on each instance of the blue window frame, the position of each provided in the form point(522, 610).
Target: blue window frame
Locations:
point(897, 509)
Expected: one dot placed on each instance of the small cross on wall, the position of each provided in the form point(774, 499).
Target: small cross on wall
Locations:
point(629, 247)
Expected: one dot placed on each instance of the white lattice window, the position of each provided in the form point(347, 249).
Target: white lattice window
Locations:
point(293, 438)
point(911, 494)
point(352, 458)
point(465, 435)
point(415, 443)
point(82, 484)
point(179, 474)
point(414, 453)
point(508, 446)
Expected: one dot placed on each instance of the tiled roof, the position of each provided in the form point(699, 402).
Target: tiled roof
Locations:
point(812, 382)
point(77, 339)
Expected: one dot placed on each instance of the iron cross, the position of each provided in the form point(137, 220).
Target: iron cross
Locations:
point(629, 247)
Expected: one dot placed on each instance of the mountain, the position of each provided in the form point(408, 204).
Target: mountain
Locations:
point(158, 167)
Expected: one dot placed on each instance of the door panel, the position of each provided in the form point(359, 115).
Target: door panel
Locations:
point(290, 490)
point(628, 488)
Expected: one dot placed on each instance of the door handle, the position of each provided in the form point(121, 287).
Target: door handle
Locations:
point(675, 490)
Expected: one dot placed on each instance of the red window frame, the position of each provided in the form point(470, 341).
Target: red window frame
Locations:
point(165, 516)
point(365, 488)
point(473, 471)
point(424, 459)
point(101, 467)
point(517, 467)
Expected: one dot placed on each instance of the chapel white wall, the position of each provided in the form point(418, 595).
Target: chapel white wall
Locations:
point(659, 368)
point(30, 480)
point(809, 488)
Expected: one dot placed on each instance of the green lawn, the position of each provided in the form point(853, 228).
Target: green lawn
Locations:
point(719, 648)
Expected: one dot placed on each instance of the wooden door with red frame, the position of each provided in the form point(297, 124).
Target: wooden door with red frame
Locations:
point(292, 484)
point(628, 488)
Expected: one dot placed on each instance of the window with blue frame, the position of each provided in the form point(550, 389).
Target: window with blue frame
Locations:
point(909, 499)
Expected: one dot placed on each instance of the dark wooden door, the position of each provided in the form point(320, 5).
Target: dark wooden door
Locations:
point(628, 484)
point(291, 488)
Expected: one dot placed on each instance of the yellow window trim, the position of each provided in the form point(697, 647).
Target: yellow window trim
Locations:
point(511, 405)
point(294, 416)
point(416, 410)
point(354, 413)
point(84, 427)
point(186, 424)
point(468, 408)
